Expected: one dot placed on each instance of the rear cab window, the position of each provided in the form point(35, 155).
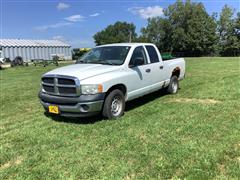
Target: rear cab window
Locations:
point(152, 54)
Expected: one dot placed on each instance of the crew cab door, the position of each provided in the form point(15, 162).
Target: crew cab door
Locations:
point(139, 73)
point(156, 67)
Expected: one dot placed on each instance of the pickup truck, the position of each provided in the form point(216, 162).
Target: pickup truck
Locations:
point(106, 77)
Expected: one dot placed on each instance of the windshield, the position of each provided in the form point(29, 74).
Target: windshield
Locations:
point(111, 55)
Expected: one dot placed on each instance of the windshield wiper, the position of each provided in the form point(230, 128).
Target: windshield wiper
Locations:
point(105, 62)
point(80, 61)
point(101, 61)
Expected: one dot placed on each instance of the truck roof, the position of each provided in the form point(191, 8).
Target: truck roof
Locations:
point(126, 44)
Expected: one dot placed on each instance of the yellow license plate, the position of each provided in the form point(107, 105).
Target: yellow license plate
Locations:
point(53, 109)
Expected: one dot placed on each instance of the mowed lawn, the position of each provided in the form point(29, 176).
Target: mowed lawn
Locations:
point(193, 134)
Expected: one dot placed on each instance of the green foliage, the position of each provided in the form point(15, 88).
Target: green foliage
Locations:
point(117, 33)
point(186, 28)
point(191, 135)
point(229, 31)
point(158, 31)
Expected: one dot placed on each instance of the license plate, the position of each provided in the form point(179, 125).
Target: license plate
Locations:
point(53, 109)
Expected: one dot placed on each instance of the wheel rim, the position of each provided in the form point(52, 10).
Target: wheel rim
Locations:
point(116, 106)
point(174, 86)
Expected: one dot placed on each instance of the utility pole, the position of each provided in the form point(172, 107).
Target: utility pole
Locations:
point(130, 36)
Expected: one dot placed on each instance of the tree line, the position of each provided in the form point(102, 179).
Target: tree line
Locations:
point(185, 29)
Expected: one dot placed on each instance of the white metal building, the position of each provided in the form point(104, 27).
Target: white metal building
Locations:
point(34, 49)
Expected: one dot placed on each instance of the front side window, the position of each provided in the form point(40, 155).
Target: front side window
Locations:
point(138, 55)
point(111, 55)
point(152, 54)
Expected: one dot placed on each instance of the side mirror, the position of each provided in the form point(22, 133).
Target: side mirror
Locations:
point(138, 61)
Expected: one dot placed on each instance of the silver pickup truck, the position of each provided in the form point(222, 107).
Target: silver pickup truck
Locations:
point(108, 76)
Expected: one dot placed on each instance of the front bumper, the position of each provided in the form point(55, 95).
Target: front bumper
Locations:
point(82, 106)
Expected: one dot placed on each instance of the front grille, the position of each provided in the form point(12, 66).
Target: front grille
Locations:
point(67, 90)
point(48, 88)
point(61, 85)
point(48, 80)
point(66, 81)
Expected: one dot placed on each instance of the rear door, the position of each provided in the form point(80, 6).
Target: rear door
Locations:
point(156, 67)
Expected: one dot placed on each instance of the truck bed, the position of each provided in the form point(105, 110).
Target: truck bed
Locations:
point(172, 64)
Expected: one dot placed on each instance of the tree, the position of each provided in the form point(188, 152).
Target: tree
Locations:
point(229, 31)
point(158, 31)
point(237, 34)
point(200, 30)
point(185, 27)
point(117, 33)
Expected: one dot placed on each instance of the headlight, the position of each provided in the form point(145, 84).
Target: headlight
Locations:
point(91, 89)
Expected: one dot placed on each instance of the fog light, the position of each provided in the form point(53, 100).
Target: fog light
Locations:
point(84, 107)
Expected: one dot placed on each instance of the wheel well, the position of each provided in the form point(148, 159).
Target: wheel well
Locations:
point(176, 72)
point(121, 87)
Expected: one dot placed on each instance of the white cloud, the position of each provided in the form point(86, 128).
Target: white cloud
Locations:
point(68, 21)
point(94, 15)
point(52, 26)
point(62, 6)
point(75, 18)
point(147, 12)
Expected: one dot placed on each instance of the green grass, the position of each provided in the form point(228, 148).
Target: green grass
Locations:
point(194, 134)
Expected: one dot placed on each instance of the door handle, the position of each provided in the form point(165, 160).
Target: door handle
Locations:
point(161, 67)
point(148, 70)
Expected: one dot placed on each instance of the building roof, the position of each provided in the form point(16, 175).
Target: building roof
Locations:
point(29, 43)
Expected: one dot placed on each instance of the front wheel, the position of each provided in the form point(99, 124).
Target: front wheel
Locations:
point(114, 104)
point(173, 85)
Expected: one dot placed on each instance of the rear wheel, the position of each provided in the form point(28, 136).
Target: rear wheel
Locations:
point(18, 61)
point(114, 104)
point(173, 85)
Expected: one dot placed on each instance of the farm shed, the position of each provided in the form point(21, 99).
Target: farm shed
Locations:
point(34, 49)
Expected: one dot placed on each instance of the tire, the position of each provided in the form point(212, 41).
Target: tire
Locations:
point(18, 61)
point(173, 85)
point(114, 105)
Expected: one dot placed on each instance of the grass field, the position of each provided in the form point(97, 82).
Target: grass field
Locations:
point(194, 134)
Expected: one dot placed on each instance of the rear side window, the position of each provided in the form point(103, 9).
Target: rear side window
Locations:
point(152, 54)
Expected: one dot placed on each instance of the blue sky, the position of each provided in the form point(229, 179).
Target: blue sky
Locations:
point(76, 21)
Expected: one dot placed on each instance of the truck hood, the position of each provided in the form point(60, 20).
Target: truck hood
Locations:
point(83, 71)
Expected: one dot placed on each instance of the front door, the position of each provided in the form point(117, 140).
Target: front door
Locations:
point(139, 75)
